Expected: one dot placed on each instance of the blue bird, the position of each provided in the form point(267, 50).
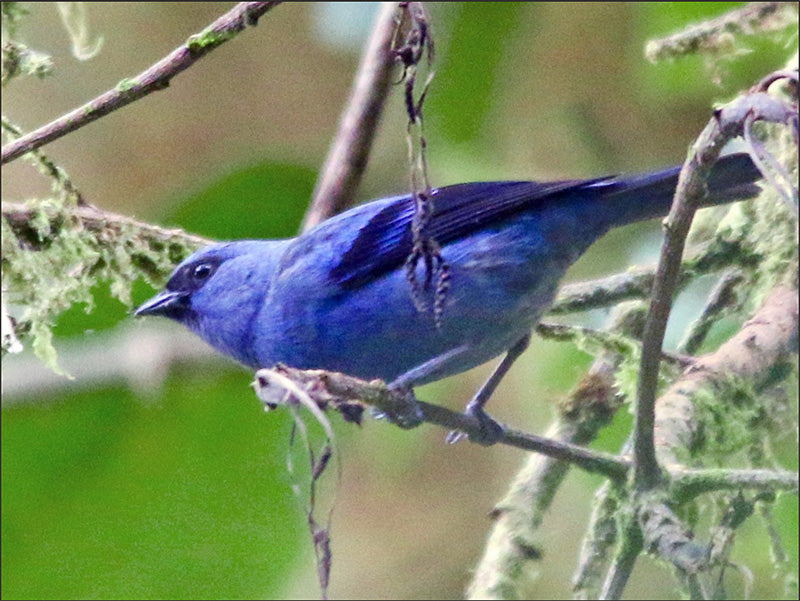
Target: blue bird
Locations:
point(338, 297)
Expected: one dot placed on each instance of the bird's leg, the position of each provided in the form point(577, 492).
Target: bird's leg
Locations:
point(410, 414)
point(491, 431)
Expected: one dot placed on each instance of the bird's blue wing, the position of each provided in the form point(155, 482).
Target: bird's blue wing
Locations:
point(385, 241)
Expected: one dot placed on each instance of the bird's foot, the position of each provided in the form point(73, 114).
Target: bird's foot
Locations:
point(490, 431)
point(406, 412)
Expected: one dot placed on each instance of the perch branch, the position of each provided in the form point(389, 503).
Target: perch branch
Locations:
point(339, 390)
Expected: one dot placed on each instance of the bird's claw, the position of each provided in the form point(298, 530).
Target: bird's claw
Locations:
point(406, 412)
point(490, 431)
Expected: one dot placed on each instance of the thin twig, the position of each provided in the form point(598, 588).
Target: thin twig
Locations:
point(716, 33)
point(722, 296)
point(624, 560)
point(156, 77)
point(688, 483)
point(610, 340)
point(331, 388)
point(638, 283)
point(773, 171)
point(320, 533)
point(347, 159)
point(597, 544)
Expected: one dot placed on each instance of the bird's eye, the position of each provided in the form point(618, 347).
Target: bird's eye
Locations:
point(194, 275)
point(202, 272)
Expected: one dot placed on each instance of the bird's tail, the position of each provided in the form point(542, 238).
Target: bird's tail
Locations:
point(650, 195)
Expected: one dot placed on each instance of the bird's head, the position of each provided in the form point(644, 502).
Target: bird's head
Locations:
point(217, 291)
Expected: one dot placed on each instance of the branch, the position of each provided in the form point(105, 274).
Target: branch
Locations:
point(513, 543)
point(723, 296)
point(689, 483)
point(610, 340)
point(155, 78)
point(347, 395)
point(624, 559)
point(727, 123)
point(597, 544)
point(664, 535)
point(715, 34)
point(349, 152)
point(638, 283)
point(20, 216)
point(767, 341)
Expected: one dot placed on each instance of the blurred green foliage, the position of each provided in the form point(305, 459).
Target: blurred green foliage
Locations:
point(107, 496)
point(468, 69)
point(263, 201)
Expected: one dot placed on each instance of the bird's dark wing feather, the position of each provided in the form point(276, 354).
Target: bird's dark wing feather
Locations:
point(385, 242)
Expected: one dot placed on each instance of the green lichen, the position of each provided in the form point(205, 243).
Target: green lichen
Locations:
point(207, 40)
point(18, 59)
point(126, 85)
point(732, 420)
point(54, 262)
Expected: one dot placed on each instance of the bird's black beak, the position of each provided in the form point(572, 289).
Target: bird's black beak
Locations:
point(170, 304)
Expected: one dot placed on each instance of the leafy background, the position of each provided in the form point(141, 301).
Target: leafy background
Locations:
point(142, 478)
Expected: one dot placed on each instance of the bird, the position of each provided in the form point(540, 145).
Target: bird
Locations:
point(339, 297)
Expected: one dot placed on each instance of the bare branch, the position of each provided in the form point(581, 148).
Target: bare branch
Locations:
point(154, 78)
point(349, 152)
